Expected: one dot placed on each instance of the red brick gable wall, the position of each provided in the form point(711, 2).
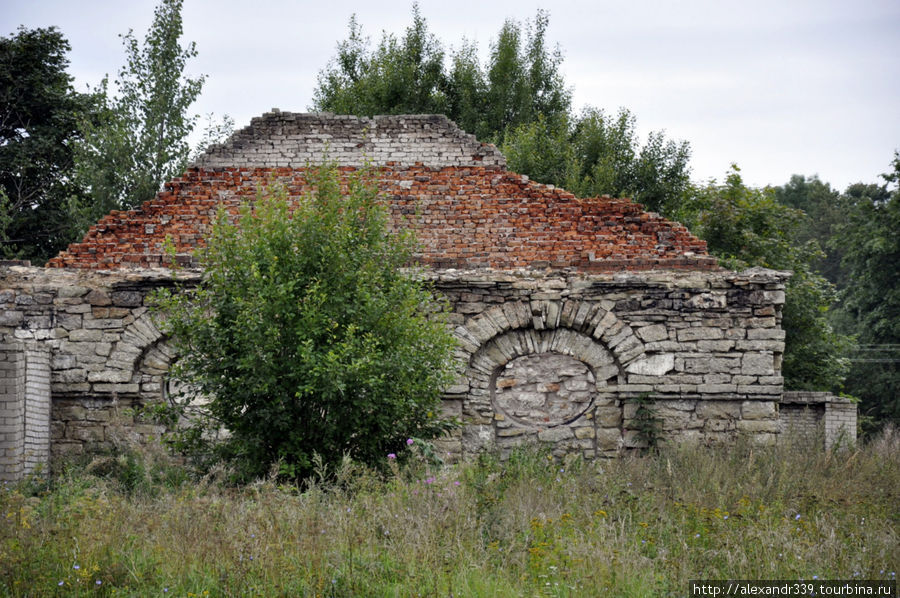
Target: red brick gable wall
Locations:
point(464, 217)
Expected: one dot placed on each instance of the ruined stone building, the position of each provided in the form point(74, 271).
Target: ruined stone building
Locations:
point(565, 308)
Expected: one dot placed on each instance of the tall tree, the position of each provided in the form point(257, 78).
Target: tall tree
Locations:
point(520, 80)
point(139, 140)
point(39, 116)
point(523, 79)
point(598, 155)
point(400, 77)
point(745, 226)
point(871, 243)
point(825, 209)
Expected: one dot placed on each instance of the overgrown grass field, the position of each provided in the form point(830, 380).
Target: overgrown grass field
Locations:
point(532, 526)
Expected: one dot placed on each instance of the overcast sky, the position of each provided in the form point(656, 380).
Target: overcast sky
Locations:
point(777, 86)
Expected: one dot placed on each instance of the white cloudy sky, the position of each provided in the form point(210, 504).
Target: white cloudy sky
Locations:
point(777, 86)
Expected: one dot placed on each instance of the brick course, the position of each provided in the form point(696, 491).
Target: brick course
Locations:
point(464, 217)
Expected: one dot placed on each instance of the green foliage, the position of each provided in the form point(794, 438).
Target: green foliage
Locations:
point(520, 81)
point(39, 115)
point(214, 131)
point(825, 209)
point(306, 335)
point(744, 227)
point(530, 526)
point(871, 244)
point(517, 99)
point(544, 150)
point(645, 421)
point(399, 77)
point(523, 81)
point(138, 138)
point(597, 155)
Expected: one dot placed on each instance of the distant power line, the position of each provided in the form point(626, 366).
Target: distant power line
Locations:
point(877, 353)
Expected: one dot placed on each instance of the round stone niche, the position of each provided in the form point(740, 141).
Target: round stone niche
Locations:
point(543, 390)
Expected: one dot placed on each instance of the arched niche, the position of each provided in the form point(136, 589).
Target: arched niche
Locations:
point(540, 384)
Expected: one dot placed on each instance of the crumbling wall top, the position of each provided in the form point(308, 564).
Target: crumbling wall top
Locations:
point(294, 140)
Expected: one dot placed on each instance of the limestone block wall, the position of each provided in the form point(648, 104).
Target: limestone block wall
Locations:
point(544, 355)
point(79, 349)
point(559, 358)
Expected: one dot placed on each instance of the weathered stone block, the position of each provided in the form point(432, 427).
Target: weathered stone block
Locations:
point(555, 434)
point(584, 432)
point(126, 298)
point(70, 413)
point(765, 334)
point(608, 417)
point(609, 439)
point(69, 376)
point(10, 317)
point(652, 365)
point(117, 388)
point(103, 323)
point(99, 298)
point(69, 291)
point(759, 410)
point(85, 432)
point(718, 409)
point(109, 376)
point(699, 333)
point(649, 334)
point(756, 426)
point(718, 425)
point(758, 364)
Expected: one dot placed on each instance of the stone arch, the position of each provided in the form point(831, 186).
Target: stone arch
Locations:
point(594, 319)
point(544, 345)
point(149, 355)
point(500, 355)
point(139, 338)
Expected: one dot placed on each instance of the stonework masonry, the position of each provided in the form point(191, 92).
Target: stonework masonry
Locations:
point(565, 309)
point(24, 409)
point(809, 418)
point(543, 356)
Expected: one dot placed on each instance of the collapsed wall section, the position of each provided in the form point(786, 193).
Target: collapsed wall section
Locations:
point(808, 419)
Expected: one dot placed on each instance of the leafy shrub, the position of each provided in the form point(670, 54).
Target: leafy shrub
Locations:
point(308, 336)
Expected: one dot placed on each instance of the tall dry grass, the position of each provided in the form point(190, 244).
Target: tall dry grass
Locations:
point(131, 525)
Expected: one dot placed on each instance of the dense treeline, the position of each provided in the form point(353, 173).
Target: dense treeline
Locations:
point(842, 247)
point(66, 158)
